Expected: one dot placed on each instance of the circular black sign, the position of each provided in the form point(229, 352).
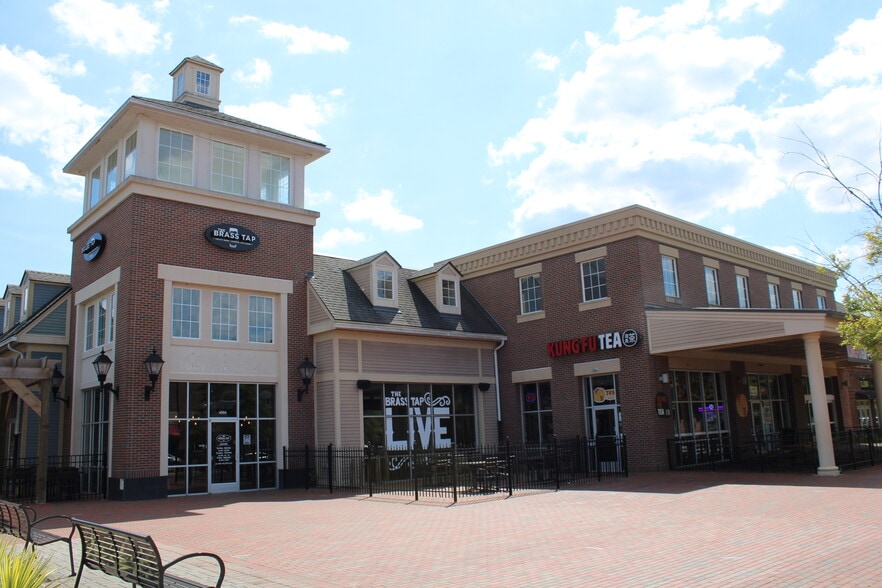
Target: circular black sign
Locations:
point(232, 237)
point(93, 247)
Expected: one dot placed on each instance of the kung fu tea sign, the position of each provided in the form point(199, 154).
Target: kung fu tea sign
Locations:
point(232, 237)
point(612, 340)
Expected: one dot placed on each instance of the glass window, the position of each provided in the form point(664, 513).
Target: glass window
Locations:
point(131, 154)
point(531, 294)
point(112, 167)
point(102, 322)
point(95, 187)
point(712, 284)
point(175, 157)
point(90, 327)
point(260, 319)
point(536, 407)
point(203, 82)
point(274, 173)
point(185, 313)
point(179, 85)
point(822, 301)
point(227, 168)
point(669, 276)
point(112, 312)
point(224, 316)
point(743, 291)
point(699, 404)
point(797, 299)
point(774, 296)
point(594, 279)
point(384, 284)
point(448, 292)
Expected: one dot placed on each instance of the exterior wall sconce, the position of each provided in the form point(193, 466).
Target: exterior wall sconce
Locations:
point(102, 365)
point(664, 378)
point(153, 364)
point(55, 381)
point(307, 371)
point(483, 386)
point(363, 384)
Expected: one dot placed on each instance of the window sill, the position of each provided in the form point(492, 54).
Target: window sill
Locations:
point(594, 304)
point(533, 316)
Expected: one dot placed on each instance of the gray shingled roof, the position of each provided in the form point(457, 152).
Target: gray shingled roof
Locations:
point(347, 303)
point(221, 117)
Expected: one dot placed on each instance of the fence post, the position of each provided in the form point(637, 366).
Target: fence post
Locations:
point(330, 469)
point(556, 463)
point(508, 467)
point(306, 475)
point(369, 464)
point(284, 467)
point(455, 467)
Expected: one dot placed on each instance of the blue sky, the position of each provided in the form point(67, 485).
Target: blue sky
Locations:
point(457, 125)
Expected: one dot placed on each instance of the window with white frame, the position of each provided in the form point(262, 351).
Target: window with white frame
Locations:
point(260, 319)
point(95, 187)
point(669, 277)
point(712, 285)
point(531, 294)
point(179, 85)
point(774, 296)
point(594, 279)
point(175, 157)
point(743, 291)
point(224, 316)
point(384, 285)
point(448, 292)
point(537, 413)
point(797, 298)
point(112, 169)
point(131, 154)
point(101, 321)
point(822, 301)
point(227, 168)
point(89, 342)
point(185, 313)
point(203, 82)
point(274, 173)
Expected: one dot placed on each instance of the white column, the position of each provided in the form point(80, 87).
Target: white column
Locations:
point(823, 436)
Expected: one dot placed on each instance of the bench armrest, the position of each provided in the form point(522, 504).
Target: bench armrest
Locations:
point(220, 563)
point(35, 524)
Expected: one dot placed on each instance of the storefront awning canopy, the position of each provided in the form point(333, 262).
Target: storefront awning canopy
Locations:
point(750, 333)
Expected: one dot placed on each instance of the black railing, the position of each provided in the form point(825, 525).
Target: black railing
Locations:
point(790, 450)
point(456, 472)
point(69, 477)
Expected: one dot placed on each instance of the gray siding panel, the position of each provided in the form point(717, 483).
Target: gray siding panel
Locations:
point(348, 355)
point(419, 359)
point(43, 293)
point(55, 323)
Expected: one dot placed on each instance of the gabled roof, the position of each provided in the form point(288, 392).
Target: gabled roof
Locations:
point(346, 302)
point(35, 318)
point(35, 276)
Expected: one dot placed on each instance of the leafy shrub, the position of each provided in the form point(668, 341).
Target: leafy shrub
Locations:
point(23, 568)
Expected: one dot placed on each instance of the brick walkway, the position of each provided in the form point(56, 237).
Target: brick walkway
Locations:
point(665, 529)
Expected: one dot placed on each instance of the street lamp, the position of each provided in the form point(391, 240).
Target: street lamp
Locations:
point(55, 383)
point(153, 364)
point(307, 371)
point(102, 365)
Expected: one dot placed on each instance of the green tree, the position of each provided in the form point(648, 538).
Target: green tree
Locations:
point(862, 302)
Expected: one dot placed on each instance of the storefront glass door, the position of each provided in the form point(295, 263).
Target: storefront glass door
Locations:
point(223, 456)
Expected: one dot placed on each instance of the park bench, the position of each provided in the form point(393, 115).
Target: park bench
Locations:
point(22, 522)
point(133, 558)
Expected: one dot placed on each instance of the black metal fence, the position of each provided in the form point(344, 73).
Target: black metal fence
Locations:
point(456, 472)
point(792, 450)
point(69, 477)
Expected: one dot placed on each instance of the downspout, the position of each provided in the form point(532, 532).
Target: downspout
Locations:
point(496, 376)
point(13, 349)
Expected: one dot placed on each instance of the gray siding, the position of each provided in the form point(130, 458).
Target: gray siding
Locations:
point(419, 359)
point(43, 293)
point(55, 323)
point(32, 436)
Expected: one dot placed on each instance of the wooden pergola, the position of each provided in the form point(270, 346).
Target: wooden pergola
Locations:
point(18, 375)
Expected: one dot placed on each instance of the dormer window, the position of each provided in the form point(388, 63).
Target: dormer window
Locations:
point(385, 285)
point(448, 292)
point(203, 82)
point(179, 85)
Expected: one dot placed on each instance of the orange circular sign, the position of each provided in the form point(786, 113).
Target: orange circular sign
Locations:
point(741, 405)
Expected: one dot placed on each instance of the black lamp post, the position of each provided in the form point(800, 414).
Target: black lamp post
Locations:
point(153, 364)
point(307, 371)
point(55, 381)
point(102, 365)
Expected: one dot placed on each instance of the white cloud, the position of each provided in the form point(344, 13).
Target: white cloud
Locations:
point(651, 120)
point(314, 198)
point(15, 175)
point(857, 56)
point(142, 83)
point(735, 10)
point(34, 109)
point(334, 238)
point(259, 72)
point(544, 61)
point(105, 26)
point(301, 116)
point(299, 40)
point(380, 211)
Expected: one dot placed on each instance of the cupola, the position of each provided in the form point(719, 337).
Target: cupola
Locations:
point(196, 82)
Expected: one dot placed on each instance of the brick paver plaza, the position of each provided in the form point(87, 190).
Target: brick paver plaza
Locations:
point(664, 529)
